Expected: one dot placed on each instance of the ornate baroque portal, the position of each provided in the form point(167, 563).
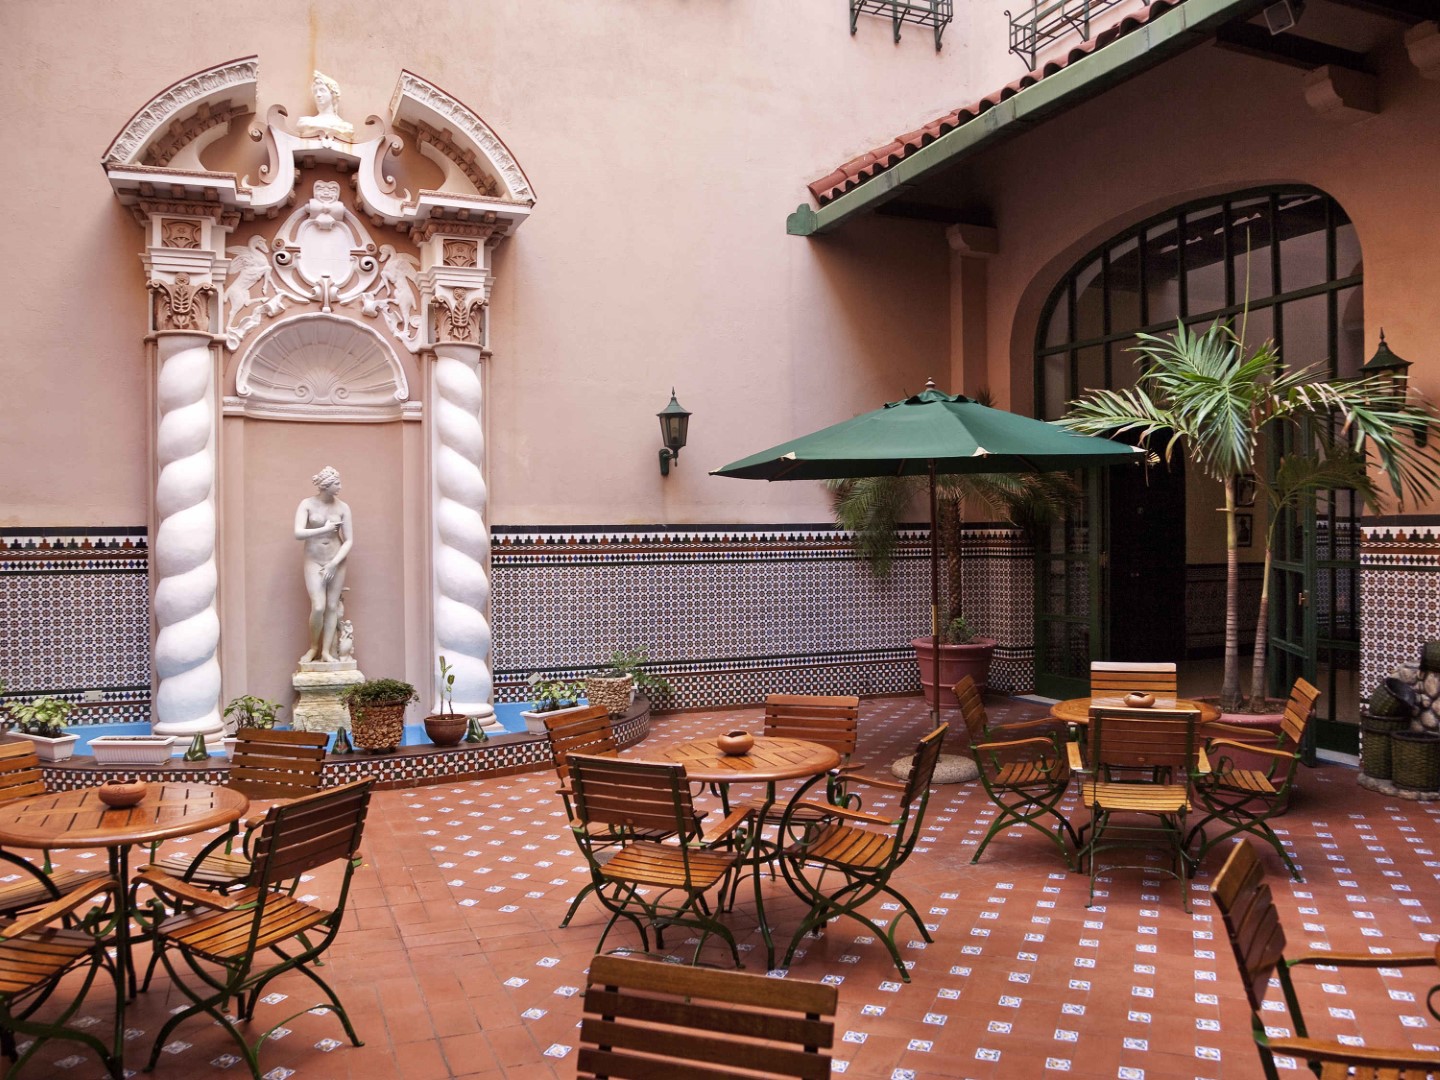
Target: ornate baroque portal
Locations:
point(284, 297)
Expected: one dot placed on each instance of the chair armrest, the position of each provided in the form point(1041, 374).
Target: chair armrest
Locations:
point(1374, 1056)
point(875, 781)
point(1238, 730)
point(1033, 741)
point(1202, 762)
point(831, 810)
point(1251, 748)
point(723, 829)
point(1077, 762)
point(62, 905)
point(1415, 959)
point(1003, 730)
point(160, 881)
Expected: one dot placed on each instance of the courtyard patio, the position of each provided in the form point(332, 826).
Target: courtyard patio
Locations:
point(452, 962)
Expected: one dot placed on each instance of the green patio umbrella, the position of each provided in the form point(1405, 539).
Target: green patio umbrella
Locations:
point(931, 434)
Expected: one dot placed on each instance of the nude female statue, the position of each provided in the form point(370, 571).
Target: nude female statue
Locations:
point(323, 522)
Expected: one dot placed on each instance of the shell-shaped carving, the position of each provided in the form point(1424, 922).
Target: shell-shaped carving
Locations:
point(313, 363)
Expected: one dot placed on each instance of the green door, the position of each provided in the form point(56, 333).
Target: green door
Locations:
point(1070, 581)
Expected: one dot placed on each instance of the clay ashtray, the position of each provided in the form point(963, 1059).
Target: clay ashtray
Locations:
point(122, 793)
point(1137, 700)
point(735, 743)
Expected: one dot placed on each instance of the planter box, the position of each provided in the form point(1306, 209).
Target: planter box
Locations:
point(535, 721)
point(132, 749)
point(48, 749)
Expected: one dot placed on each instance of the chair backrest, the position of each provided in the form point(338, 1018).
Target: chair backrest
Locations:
point(832, 721)
point(1109, 678)
point(1298, 711)
point(632, 796)
point(20, 775)
point(972, 708)
point(922, 768)
point(587, 732)
point(1142, 739)
point(1251, 920)
point(305, 833)
point(649, 1019)
point(270, 764)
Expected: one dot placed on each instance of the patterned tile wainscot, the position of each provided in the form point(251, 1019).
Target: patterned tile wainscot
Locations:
point(1399, 592)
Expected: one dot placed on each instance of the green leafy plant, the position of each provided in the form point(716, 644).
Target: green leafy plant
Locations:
point(447, 687)
point(248, 711)
point(957, 631)
point(552, 694)
point(631, 662)
point(44, 716)
point(379, 692)
point(1206, 396)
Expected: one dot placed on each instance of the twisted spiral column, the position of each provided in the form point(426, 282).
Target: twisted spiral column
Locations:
point(462, 538)
point(188, 698)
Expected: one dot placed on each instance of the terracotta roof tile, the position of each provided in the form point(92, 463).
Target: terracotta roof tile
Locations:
point(869, 165)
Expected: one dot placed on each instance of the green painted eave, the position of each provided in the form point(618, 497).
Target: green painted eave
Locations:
point(1146, 46)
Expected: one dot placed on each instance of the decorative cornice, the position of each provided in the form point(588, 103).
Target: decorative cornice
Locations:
point(234, 78)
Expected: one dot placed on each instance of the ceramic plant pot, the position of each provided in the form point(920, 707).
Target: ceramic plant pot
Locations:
point(446, 729)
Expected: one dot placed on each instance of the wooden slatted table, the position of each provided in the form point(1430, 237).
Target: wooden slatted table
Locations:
point(1078, 710)
point(78, 819)
point(768, 762)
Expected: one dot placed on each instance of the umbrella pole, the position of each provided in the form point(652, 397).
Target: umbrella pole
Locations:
point(935, 592)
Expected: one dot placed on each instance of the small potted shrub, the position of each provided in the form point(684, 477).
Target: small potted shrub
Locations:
point(549, 696)
point(377, 713)
point(248, 711)
point(962, 653)
point(447, 727)
point(621, 679)
point(42, 721)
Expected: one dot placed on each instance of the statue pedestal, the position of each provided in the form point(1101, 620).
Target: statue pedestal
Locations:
point(320, 687)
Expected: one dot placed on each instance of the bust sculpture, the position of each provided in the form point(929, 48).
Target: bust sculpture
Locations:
point(323, 522)
point(326, 120)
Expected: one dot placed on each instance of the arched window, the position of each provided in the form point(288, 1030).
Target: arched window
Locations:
point(1291, 250)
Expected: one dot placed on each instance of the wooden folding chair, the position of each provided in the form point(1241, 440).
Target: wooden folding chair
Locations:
point(1136, 782)
point(618, 806)
point(645, 1020)
point(590, 732)
point(865, 859)
point(20, 778)
point(1116, 678)
point(36, 955)
point(1024, 771)
point(267, 764)
point(1244, 800)
point(1258, 942)
point(226, 941)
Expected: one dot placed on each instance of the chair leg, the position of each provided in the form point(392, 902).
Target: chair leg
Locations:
point(575, 904)
point(1029, 809)
point(1236, 819)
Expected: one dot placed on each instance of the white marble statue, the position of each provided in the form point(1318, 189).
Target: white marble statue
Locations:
point(323, 522)
point(326, 120)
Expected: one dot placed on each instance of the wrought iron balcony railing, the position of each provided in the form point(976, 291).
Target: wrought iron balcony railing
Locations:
point(933, 13)
point(1047, 21)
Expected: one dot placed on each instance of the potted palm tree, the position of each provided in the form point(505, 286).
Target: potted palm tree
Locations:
point(1206, 396)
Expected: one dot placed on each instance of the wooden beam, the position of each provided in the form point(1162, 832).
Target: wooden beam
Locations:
point(1287, 48)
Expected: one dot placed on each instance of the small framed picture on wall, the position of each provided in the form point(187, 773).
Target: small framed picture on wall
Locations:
point(1244, 530)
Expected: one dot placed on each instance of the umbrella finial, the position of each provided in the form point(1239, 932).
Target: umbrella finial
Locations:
point(930, 384)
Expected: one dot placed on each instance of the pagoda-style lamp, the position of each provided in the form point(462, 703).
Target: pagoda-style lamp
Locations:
point(674, 430)
point(1396, 371)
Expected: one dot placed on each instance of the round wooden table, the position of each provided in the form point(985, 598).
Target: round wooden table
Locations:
point(768, 762)
point(78, 819)
point(1077, 710)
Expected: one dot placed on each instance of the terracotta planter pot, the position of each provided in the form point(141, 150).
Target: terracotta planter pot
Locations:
point(446, 729)
point(956, 661)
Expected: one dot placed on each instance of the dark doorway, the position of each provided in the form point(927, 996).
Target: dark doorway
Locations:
point(1146, 609)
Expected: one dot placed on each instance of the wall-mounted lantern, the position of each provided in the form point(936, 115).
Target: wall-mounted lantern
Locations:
point(674, 430)
point(1396, 371)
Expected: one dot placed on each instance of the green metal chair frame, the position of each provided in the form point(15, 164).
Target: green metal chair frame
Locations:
point(865, 858)
point(224, 939)
point(1258, 942)
point(35, 956)
point(1244, 800)
point(1024, 770)
point(1124, 745)
point(619, 805)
